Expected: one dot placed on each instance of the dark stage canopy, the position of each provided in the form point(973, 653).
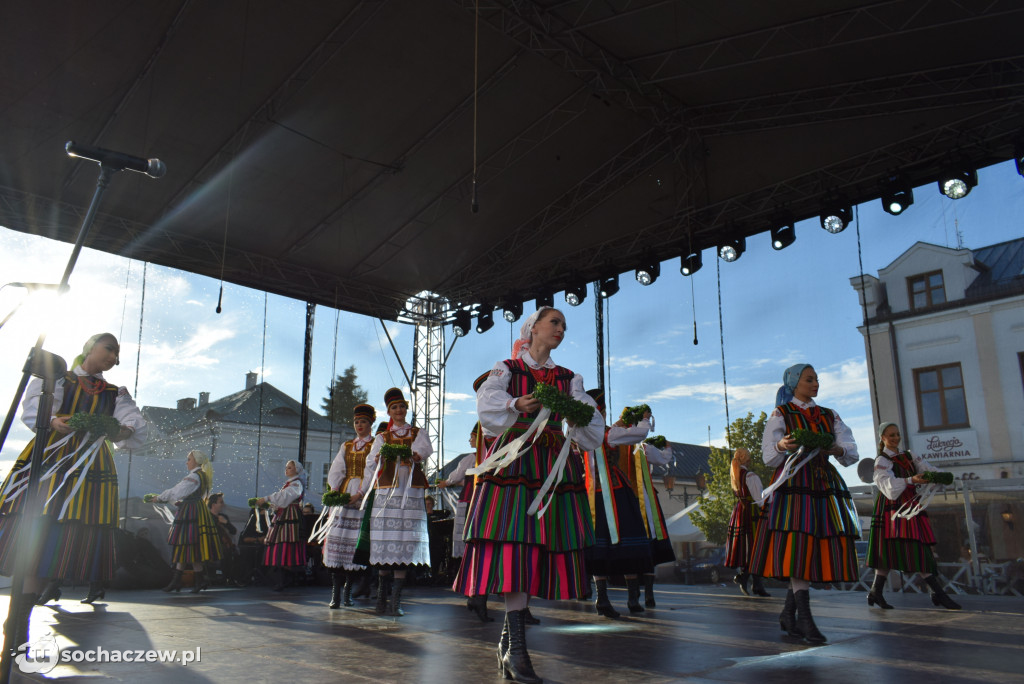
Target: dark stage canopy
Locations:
point(330, 145)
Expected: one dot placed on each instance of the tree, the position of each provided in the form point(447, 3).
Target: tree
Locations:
point(712, 516)
point(343, 396)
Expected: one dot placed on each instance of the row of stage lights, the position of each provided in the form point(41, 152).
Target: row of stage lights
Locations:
point(897, 195)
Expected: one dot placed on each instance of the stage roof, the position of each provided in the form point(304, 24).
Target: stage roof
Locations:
point(326, 150)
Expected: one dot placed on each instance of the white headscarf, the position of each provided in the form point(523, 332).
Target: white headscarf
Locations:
point(522, 345)
point(300, 472)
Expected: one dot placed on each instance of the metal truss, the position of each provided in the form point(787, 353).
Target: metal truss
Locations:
point(428, 311)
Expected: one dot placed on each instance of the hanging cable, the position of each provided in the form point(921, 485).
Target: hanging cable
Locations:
point(474, 204)
point(608, 347)
point(334, 370)
point(864, 312)
point(124, 304)
point(721, 339)
point(259, 430)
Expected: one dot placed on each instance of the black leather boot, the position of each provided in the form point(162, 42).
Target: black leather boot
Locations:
point(50, 593)
point(875, 595)
point(335, 590)
point(175, 583)
point(502, 650)
point(395, 605)
point(346, 599)
point(740, 580)
point(516, 661)
point(528, 617)
point(633, 595)
point(649, 591)
point(604, 606)
point(758, 586)
point(18, 616)
point(96, 592)
point(939, 597)
point(382, 594)
point(478, 604)
point(787, 618)
point(362, 590)
point(804, 620)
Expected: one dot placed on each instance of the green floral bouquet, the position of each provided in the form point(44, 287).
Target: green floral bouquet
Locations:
point(811, 440)
point(95, 424)
point(148, 498)
point(658, 441)
point(576, 412)
point(395, 452)
point(336, 498)
point(937, 477)
point(253, 503)
point(632, 415)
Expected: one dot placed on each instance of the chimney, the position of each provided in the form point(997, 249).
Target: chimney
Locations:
point(186, 404)
point(204, 398)
point(250, 380)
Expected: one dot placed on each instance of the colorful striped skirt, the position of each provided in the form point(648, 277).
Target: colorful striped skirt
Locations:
point(740, 535)
point(508, 550)
point(809, 529)
point(898, 543)
point(661, 549)
point(286, 547)
point(194, 537)
point(631, 554)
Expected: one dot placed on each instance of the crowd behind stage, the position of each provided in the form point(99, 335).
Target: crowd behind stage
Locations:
point(557, 502)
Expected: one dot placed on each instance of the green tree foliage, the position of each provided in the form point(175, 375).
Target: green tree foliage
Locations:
point(343, 396)
point(712, 516)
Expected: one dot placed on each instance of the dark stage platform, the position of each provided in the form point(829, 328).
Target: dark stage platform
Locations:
point(696, 634)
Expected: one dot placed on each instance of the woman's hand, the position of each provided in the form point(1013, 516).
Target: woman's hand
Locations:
point(60, 424)
point(834, 450)
point(787, 443)
point(124, 433)
point(356, 498)
point(918, 479)
point(527, 404)
point(647, 416)
point(442, 484)
point(260, 501)
point(416, 458)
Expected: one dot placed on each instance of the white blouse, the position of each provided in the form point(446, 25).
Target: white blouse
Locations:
point(496, 406)
point(458, 475)
point(775, 430)
point(125, 410)
point(887, 482)
point(189, 484)
point(288, 494)
point(339, 469)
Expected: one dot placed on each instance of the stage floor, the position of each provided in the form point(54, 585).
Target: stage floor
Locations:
point(697, 633)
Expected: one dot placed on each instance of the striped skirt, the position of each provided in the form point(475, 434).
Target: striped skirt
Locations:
point(508, 550)
point(631, 554)
point(740, 535)
point(342, 537)
point(809, 529)
point(77, 544)
point(898, 543)
point(661, 549)
point(286, 546)
point(194, 537)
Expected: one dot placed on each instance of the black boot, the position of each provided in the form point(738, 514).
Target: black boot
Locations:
point(175, 584)
point(649, 591)
point(528, 617)
point(633, 595)
point(740, 580)
point(939, 597)
point(604, 606)
point(382, 594)
point(875, 595)
point(18, 616)
point(200, 581)
point(758, 587)
point(335, 590)
point(50, 593)
point(96, 592)
point(517, 659)
point(804, 620)
point(362, 590)
point(502, 650)
point(478, 604)
point(787, 618)
point(347, 595)
point(395, 605)
point(282, 580)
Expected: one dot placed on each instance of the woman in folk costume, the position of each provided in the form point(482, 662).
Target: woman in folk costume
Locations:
point(508, 550)
point(346, 476)
point(810, 526)
point(78, 482)
point(746, 487)
point(193, 537)
point(395, 518)
point(650, 506)
point(285, 543)
point(621, 545)
point(895, 542)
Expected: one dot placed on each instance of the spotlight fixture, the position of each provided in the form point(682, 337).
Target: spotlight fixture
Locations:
point(463, 319)
point(545, 300)
point(836, 216)
point(575, 294)
point(783, 236)
point(1018, 156)
point(897, 195)
point(732, 249)
point(485, 319)
point(608, 286)
point(957, 181)
point(648, 272)
point(513, 312)
point(691, 263)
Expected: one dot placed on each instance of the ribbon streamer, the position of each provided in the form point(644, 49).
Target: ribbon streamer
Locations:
point(645, 492)
point(508, 454)
point(923, 497)
point(164, 512)
point(555, 475)
point(604, 479)
point(788, 471)
point(321, 527)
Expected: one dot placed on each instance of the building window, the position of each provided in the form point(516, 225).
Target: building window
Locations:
point(941, 402)
point(926, 290)
point(327, 469)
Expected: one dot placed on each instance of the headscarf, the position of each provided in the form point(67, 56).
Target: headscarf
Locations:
point(89, 344)
point(300, 472)
point(739, 458)
point(790, 379)
point(203, 461)
point(882, 428)
point(522, 345)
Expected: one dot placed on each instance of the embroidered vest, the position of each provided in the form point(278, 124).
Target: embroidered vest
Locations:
point(355, 461)
point(77, 400)
point(204, 486)
point(522, 382)
point(388, 470)
point(820, 419)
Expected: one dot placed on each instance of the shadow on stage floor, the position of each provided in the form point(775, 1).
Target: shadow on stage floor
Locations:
point(695, 634)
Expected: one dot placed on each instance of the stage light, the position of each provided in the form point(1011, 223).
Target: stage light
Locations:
point(897, 195)
point(648, 272)
point(575, 295)
point(836, 217)
point(1018, 156)
point(463, 319)
point(513, 312)
point(609, 286)
point(783, 236)
point(957, 181)
point(485, 319)
point(691, 264)
point(545, 300)
point(732, 249)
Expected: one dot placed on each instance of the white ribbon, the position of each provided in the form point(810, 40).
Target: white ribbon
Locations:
point(924, 495)
point(508, 454)
point(322, 527)
point(788, 471)
point(16, 488)
point(88, 457)
point(164, 512)
point(449, 499)
point(553, 477)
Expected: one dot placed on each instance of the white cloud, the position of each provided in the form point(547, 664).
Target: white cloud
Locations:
point(457, 396)
point(634, 361)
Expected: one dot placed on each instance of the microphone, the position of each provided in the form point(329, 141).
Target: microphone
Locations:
point(33, 287)
point(153, 168)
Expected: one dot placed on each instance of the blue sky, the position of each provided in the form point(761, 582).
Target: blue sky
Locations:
point(777, 308)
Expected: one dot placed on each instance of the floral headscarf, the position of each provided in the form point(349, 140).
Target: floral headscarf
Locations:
point(522, 345)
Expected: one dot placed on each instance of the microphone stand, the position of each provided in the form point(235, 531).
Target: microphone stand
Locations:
point(49, 367)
